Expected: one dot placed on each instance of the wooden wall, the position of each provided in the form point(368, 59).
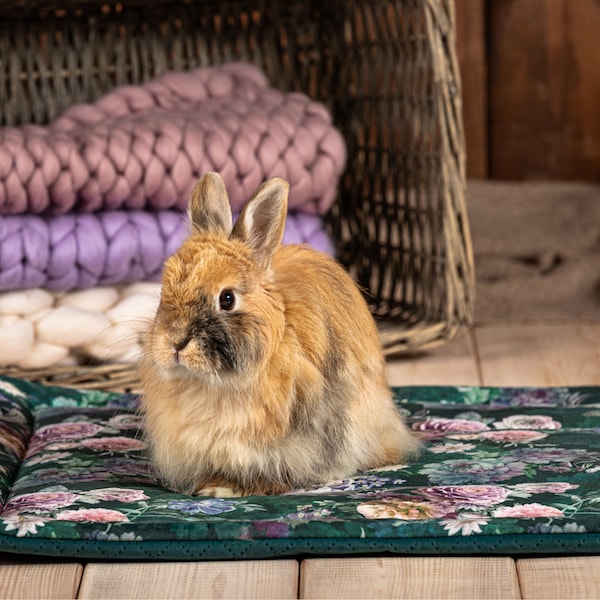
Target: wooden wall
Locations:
point(531, 88)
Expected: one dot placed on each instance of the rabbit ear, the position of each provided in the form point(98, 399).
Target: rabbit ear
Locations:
point(261, 222)
point(209, 209)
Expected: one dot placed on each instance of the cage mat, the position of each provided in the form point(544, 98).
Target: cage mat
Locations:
point(503, 471)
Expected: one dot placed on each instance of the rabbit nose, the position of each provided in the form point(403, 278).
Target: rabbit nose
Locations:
point(179, 346)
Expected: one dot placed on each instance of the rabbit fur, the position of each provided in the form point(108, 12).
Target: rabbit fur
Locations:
point(263, 370)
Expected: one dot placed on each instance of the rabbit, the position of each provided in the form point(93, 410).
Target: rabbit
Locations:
point(262, 371)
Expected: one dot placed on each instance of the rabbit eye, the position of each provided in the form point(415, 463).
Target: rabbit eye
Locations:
point(227, 300)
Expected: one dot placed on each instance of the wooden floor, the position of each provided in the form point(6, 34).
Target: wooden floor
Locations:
point(536, 354)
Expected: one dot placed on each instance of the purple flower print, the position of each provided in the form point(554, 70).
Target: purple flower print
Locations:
point(543, 398)
point(468, 496)
point(541, 456)
point(131, 467)
point(271, 529)
point(473, 472)
point(211, 506)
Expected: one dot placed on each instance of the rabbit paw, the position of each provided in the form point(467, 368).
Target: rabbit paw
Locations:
point(217, 491)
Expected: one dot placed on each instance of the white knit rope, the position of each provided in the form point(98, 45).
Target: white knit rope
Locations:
point(41, 329)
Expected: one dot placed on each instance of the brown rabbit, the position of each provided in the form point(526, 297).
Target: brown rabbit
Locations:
point(263, 370)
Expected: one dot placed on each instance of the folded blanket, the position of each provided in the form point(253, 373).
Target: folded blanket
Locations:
point(42, 329)
point(78, 251)
point(145, 146)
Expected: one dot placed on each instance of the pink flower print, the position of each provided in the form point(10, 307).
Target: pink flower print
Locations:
point(527, 511)
point(116, 494)
point(449, 425)
point(550, 487)
point(528, 422)
point(468, 496)
point(114, 444)
point(96, 515)
point(544, 456)
point(39, 502)
point(61, 431)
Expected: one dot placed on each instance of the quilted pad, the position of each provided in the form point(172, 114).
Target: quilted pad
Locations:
point(505, 471)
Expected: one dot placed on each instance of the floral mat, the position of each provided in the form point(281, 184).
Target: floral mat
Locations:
point(503, 471)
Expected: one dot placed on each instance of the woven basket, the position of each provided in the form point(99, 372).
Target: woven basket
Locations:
point(386, 69)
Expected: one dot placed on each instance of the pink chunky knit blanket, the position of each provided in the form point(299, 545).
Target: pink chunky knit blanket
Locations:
point(144, 147)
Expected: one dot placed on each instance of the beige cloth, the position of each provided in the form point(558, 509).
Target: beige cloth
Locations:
point(537, 250)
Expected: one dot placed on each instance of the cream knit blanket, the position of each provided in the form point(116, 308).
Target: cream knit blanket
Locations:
point(40, 329)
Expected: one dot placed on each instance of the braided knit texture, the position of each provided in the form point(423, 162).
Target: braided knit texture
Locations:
point(78, 251)
point(143, 147)
point(41, 329)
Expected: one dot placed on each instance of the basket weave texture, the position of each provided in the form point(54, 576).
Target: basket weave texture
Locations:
point(387, 71)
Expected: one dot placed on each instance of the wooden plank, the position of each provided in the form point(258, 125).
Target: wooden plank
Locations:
point(33, 580)
point(451, 364)
point(562, 577)
point(413, 577)
point(544, 89)
point(472, 58)
point(539, 354)
point(244, 579)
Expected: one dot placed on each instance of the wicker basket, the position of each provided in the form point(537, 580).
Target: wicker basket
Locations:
point(386, 69)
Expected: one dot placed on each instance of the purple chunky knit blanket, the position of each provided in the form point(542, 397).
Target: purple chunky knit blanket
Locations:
point(144, 147)
point(78, 251)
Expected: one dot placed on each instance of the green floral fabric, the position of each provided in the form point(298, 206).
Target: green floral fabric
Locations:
point(504, 468)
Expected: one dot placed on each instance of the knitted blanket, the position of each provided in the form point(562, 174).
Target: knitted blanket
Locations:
point(145, 146)
point(77, 251)
point(42, 329)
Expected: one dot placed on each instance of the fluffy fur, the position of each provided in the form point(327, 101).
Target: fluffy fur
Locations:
point(282, 388)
